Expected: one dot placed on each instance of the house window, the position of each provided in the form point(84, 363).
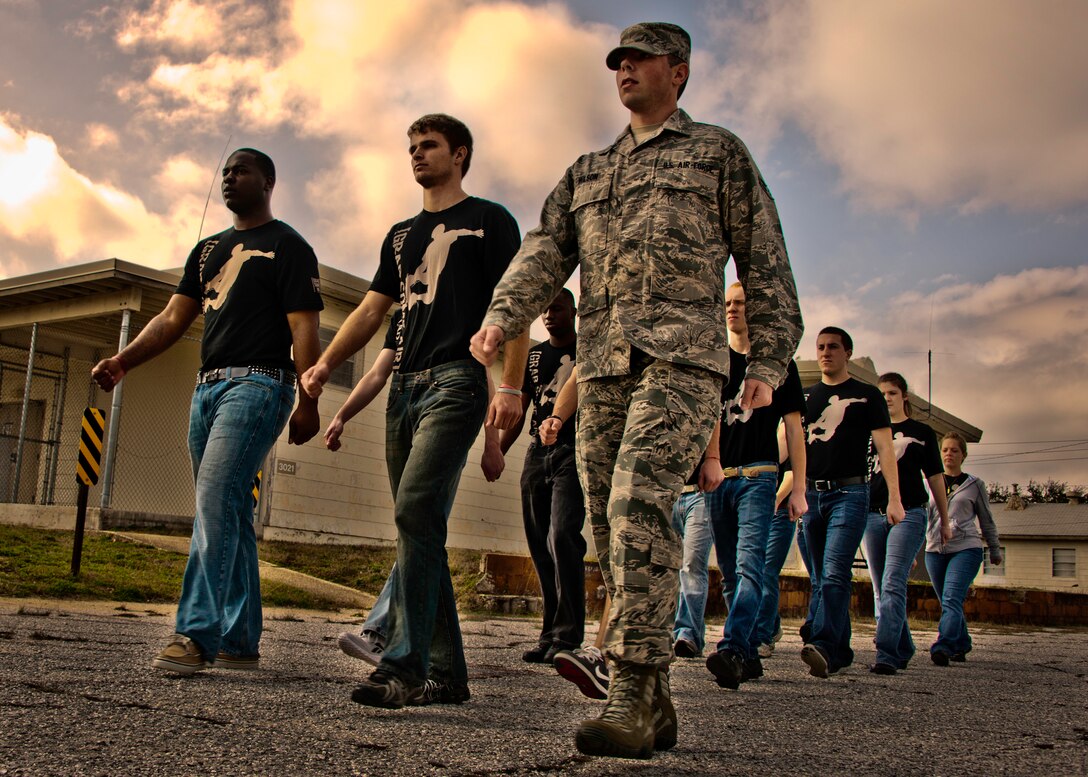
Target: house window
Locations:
point(1064, 562)
point(990, 568)
point(344, 374)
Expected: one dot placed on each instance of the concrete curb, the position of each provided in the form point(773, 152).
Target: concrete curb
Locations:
point(342, 595)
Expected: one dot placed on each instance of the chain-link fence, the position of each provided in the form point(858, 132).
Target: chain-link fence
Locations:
point(40, 422)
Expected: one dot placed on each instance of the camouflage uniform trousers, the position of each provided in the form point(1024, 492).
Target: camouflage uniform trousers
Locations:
point(639, 438)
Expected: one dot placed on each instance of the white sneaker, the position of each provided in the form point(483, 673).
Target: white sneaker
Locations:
point(766, 650)
point(366, 646)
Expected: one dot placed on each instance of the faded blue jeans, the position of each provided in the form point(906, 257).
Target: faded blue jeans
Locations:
point(779, 540)
point(742, 508)
point(377, 619)
point(890, 551)
point(432, 419)
point(952, 575)
point(834, 525)
point(232, 426)
point(689, 518)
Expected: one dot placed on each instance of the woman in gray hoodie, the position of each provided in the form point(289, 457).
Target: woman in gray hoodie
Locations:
point(954, 565)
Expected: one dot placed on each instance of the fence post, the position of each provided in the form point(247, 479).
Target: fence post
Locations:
point(115, 420)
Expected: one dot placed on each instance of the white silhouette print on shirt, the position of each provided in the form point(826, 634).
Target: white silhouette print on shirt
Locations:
point(422, 284)
point(562, 374)
point(830, 419)
point(900, 442)
point(217, 289)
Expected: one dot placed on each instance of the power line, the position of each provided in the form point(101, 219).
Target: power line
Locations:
point(1033, 461)
point(1069, 448)
point(1027, 442)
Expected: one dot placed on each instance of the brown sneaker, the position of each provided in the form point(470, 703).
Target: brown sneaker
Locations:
point(181, 656)
point(245, 663)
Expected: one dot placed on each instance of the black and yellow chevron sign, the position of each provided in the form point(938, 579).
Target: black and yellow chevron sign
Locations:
point(257, 488)
point(89, 463)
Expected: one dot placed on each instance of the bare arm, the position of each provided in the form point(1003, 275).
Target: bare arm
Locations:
point(795, 449)
point(565, 404)
point(305, 346)
point(493, 462)
point(889, 467)
point(508, 436)
point(508, 409)
point(161, 332)
point(940, 498)
point(356, 332)
point(710, 472)
point(362, 395)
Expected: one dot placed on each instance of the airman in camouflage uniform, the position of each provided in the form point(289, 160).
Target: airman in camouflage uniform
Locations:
point(651, 221)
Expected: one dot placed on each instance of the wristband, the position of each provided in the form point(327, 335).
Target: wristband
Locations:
point(508, 390)
point(557, 418)
point(715, 458)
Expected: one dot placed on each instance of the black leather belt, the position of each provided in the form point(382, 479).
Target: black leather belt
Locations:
point(226, 373)
point(835, 485)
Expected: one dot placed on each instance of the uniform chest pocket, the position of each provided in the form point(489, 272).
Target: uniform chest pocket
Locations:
point(589, 205)
point(690, 256)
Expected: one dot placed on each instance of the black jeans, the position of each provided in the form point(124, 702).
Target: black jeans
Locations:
point(554, 512)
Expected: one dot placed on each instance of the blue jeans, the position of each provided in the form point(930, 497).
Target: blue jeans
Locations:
point(232, 426)
point(689, 518)
point(779, 540)
point(432, 418)
point(834, 525)
point(377, 620)
point(952, 575)
point(741, 509)
point(890, 551)
point(554, 511)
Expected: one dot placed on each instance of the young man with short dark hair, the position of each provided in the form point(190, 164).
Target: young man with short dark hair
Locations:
point(841, 415)
point(651, 221)
point(440, 266)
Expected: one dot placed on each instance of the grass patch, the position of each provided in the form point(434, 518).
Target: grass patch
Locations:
point(366, 567)
point(37, 563)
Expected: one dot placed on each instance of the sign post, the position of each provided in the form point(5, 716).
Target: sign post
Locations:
point(88, 467)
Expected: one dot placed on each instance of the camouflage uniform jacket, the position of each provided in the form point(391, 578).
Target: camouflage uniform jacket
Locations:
point(652, 227)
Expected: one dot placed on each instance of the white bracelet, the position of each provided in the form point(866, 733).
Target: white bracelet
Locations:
point(511, 391)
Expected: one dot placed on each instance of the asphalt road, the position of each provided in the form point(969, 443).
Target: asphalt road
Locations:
point(78, 697)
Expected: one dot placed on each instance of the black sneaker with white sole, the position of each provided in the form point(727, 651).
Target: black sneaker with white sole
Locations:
point(385, 690)
point(586, 668)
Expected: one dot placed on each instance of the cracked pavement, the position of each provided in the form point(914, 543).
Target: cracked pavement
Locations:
point(78, 696)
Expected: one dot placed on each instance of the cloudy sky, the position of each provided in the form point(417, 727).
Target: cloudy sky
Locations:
point(929, 159)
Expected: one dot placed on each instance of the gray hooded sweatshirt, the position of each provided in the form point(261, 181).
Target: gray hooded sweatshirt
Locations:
point(969, 512)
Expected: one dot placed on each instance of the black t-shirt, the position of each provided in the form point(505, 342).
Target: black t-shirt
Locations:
point(750, 436)
point(247, 282)
point(442, 267)
point(547, 370)
point(838, 425)
point(952, 483)
point(918, 456)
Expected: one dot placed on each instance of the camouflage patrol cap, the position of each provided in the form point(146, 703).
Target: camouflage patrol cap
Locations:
point(656, 38)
